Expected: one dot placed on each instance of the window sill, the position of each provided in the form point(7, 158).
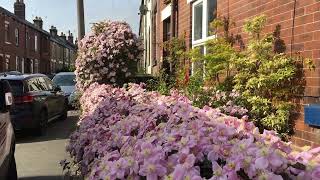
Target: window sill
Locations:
point(8, 42)
point(202, 41)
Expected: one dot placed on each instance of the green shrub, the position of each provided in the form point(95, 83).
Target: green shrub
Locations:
point(269, 81)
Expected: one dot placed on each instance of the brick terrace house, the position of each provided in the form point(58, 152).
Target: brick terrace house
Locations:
point(26, 47)
point(299, 21)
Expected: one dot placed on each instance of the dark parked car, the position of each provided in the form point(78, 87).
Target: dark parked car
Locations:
point(8, 169)
point(37, 101)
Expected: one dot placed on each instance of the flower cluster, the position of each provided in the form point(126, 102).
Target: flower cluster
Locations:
point(134, 134)
point(108, 54)
point(227, 103)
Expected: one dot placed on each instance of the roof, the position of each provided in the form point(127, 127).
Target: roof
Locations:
point(20, 77)
point(52, 38)
point(23, 21)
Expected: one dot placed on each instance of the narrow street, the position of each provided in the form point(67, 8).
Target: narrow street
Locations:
point(38, 158)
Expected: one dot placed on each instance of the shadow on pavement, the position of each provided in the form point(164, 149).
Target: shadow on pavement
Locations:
point(42, 178)
point(57, 130)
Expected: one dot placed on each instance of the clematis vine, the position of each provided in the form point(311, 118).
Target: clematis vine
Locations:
point(130, 133)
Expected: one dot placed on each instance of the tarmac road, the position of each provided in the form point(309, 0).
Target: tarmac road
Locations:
point(38, 158)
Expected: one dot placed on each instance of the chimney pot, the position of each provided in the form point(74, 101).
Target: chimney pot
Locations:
point(38, 22)
point(20, 9)
point(53, 31)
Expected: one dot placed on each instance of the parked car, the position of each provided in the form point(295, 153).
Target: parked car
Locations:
point(51, 76)
point(37, 101)
point(8, 169)
point(67, 82)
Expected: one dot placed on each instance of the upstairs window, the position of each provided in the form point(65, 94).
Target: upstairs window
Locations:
point(16, 34)
point(27, 40)
point(197, 21)
point(166, 29)
point(211, 14)
point(36, 43)
point(6, 32)
point(203, 13)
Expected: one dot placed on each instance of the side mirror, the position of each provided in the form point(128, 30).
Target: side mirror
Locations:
point(6, 95)
point(8, 99)
point(57, 88)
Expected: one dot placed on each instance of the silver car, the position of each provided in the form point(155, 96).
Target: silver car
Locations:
point(67, 82)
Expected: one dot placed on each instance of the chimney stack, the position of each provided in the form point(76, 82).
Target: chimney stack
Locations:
point(63, 36)
point(53, 31)
point(38, 22)
point(70, 37)
point(20, 9)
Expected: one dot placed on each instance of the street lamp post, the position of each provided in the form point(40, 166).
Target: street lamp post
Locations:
point(81, 26)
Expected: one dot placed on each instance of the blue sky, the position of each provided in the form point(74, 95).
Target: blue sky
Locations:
point(63, 15)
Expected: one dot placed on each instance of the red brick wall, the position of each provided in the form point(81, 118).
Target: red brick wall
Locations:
point(183, 25)
point(304, 33)
point(303, 30)
point(19, 50)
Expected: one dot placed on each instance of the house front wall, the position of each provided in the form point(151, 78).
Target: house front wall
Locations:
point(299, 22)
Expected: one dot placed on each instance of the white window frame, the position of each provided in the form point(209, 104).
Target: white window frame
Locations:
point(36, 43)
point(7, 62)
point(17, 63)
point(16, 35)
point(22, 65)
point(36, 66)
point(205, 36)
point(31, 66)
point(7, 36)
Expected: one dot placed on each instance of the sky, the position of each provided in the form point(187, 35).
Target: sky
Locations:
point(63, 14)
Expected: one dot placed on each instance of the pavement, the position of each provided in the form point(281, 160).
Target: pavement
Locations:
point(38, 158)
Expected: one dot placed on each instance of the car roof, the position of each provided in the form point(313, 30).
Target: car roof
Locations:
point(19, 77)
point(65, 73)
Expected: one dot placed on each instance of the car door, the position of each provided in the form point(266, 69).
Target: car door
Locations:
point(44, 96)
point(57, 96)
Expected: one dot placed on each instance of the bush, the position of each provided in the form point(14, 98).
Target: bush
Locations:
point(269, 81)
point(108, 54)
point(134, 134)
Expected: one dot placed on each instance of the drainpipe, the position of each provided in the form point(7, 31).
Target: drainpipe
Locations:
point(173, 25)
point(173, 18)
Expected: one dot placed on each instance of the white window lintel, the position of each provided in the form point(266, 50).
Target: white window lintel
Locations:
point(166, 12)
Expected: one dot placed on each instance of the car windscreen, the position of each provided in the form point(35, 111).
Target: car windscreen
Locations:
point(16, 87)
point(65, 80)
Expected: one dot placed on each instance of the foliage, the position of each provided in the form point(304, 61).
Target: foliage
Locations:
point(66, 69)
point(134, 134)
point(195, 91)
point(269, 81)
point(108, 54)
point(220, 53)
point(176, 57)
point(162, 84)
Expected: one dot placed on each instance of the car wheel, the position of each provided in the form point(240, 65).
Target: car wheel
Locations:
point(12, 173)
point(43, 123)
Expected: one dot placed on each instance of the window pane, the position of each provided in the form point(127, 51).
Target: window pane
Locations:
point(65, 80)
point(198, 13)
point(212, 14)
point(166, 29)
point(17, 87)
point(198, 65)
